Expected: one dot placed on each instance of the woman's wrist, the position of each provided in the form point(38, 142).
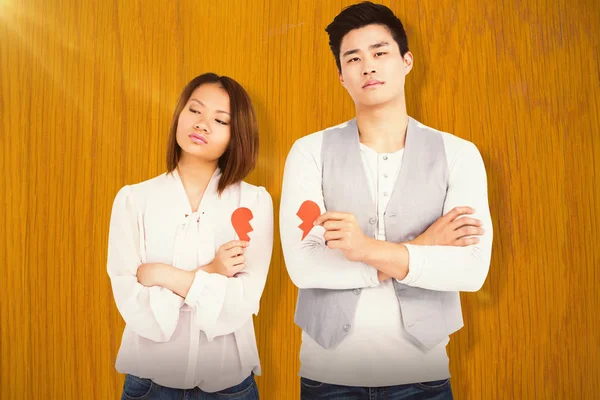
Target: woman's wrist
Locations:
point(209, 268)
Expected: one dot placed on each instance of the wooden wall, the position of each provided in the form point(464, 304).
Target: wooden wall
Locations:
point(86, 95)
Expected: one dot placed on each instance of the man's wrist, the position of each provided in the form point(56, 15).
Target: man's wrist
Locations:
point(370, 250)
point(389, 258)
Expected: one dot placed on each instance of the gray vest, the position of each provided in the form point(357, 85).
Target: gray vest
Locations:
point(416, 202)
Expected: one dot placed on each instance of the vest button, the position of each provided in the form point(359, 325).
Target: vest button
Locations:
point(372, 220)
point(356, 291)
point(346, 328)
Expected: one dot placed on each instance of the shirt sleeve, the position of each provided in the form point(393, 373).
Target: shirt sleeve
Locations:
point(310, 263)
point(151, 312)
point(223, 305)
point(453, 268)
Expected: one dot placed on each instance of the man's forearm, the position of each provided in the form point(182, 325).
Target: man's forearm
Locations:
point(389, 258)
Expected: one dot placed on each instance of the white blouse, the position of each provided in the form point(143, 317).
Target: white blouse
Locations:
point(207, 339)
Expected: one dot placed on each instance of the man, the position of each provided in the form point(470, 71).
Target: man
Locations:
point(405, 227)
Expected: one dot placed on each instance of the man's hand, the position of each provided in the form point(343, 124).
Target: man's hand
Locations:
point(450, 230)
point(342, 232)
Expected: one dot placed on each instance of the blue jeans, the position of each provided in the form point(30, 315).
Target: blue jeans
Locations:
point(435, 390)
point(144, 389)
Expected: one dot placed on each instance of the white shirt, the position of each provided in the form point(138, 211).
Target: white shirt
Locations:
point(207, 339)
point(377, 351)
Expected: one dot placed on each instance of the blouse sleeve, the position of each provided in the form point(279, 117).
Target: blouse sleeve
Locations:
point(223, 305)
point(151, 312)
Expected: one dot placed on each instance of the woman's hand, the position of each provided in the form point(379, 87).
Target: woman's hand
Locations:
point(229, 259)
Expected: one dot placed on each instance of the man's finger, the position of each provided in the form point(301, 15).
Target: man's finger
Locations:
point(465, 221)
point(331, 215)
point(334, 244)
point(335, 225)
point(469, 231)
point(458, 211)
point(333, 235)
point(465, 241)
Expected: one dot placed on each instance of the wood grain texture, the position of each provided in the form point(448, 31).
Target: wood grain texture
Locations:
point(87, 91)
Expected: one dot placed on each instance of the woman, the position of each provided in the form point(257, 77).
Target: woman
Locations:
point(184, 282)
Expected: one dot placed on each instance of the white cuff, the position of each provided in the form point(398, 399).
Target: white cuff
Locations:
point(370, 275)
point(206, 296)
point(416, 263)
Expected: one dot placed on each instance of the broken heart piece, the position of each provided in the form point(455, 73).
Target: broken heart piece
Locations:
point(240, 219)
point(308, 213)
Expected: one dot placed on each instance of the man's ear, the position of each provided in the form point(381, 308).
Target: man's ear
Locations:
point(408, 62)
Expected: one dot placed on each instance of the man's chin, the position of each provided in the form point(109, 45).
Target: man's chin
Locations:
point(376, 101)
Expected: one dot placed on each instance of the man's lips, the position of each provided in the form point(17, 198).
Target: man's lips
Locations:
point(372, 83)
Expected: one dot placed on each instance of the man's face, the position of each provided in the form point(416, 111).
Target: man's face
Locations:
point(372, 68)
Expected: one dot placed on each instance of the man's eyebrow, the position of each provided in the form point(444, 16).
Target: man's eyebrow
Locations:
point(371, 47)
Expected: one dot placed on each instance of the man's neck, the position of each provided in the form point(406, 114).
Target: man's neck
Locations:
point(383, 128)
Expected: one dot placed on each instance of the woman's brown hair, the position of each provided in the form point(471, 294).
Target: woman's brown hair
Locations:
point(242, 152)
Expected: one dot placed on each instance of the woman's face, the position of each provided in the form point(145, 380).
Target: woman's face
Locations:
point(203, 128)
